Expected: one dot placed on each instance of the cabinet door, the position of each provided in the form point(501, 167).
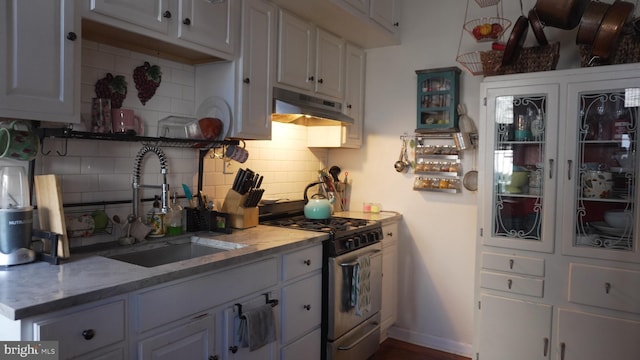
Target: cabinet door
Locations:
point(253, 119)
point(519, 187)
point(354, 96)
point(583, 336)
point(40, 51)
point(384, 13)
point(231, 350)
point(438, 95)
point(599, 170)
point(151, 14)
point(362, 6)
point(513, 329)
point(296, 52)
point(329, 64)
point(389, 306)
point(193, 340)
point(207, 23)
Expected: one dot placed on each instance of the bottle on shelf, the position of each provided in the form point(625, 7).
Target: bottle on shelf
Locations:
point(156, 218)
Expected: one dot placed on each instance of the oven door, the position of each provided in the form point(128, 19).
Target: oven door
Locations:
point(342, 310)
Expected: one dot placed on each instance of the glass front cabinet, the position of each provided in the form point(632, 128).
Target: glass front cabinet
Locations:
point(522, 138)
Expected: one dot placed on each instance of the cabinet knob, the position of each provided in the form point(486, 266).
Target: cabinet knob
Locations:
point(88, 334)
point(307, 307)
point(509, 283)
point(396, 24)
point(607, 287)
point(186, 21)
point(307, 262)
point(310, 78)
point(166, 14)
point(349, 106)
point(233, 349)
point(511, 262)
point(320, 81)
point(389, 233)
point(246, 81)
point(213, 357)
point(72, 36)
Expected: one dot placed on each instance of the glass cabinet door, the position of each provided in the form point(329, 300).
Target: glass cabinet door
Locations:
point(604, 190)
point(523, 127)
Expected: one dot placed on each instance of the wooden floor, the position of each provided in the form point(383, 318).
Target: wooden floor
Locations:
point(392, 349)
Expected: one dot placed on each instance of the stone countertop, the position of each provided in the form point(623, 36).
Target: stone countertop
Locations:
point(383, 216)
point(38, 288)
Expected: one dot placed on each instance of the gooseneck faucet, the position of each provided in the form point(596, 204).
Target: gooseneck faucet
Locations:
point(136, 180)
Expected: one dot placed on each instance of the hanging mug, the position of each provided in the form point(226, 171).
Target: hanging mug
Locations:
point(237, 153)
point(18, 144)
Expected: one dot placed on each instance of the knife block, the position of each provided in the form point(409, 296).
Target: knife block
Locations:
point(239, 216)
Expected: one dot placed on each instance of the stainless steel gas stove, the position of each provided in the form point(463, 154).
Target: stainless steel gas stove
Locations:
point(350, 329)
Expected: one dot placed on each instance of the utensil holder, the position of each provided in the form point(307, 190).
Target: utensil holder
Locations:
point(239, 216)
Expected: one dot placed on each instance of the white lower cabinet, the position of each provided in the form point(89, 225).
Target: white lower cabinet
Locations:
point(231, 349)
point(301, 307)
point(89, 329)
point(389, 308)
point(516, 330)
point(584, 336)
point(193, 340)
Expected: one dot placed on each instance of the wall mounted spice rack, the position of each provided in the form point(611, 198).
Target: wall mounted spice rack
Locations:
point(438, 167)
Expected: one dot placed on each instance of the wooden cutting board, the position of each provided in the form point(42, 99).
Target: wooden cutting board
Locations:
point(50, 210)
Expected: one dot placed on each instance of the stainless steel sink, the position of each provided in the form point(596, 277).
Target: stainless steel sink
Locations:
point(174, 251)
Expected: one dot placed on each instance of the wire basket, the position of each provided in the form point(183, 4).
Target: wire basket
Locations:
point(485, 3)
point(495, 28)
point(531, 59)
point(471, 62)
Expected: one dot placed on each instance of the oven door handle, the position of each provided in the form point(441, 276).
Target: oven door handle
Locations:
point(355, 262)
point(360, 339)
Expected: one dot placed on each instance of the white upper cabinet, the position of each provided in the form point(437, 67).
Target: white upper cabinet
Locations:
point(186, 29)
point(207, 23)
point(39, 55)
point(310, 58)
point(329, 64)
point(354, 95)
point(362, 6)
point(151, 14)
point(296, 51)
point(384, 13)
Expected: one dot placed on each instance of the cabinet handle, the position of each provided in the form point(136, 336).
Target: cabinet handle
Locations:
point(550, 168)
point(396, 24)
point(307, 307)
point(72, 36)
point(349, 106)
point(509, 283)
point(186, 21)
point(246, 81)
point(563, 346)
point(569, 166)
point(307, 262)
point(511, 262)
point(311, 78)
point(88, 334)
point(389, 233)
point(320, 81)
point(166, 14)
point(607, 287)
point(233, 349)
point(546, 347)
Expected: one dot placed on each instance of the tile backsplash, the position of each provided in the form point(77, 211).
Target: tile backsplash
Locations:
point(97, 171)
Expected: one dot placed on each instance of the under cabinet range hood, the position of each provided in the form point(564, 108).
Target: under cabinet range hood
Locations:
point(301, 109)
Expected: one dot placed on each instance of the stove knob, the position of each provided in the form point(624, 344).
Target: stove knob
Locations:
point(349, 243)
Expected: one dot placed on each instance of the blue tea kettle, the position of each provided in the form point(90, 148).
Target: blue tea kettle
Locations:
point(318, 207)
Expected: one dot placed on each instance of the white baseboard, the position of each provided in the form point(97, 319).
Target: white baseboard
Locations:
point(432, 342)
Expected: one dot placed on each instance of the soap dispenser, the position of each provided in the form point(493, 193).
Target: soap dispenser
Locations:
point(156, 219)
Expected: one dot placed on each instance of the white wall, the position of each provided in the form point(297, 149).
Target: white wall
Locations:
point(438, 234)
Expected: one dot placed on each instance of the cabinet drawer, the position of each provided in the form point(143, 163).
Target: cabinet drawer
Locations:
point(610, 288)
point(301, 262)
point(301, 307)
point(307, 348)
point(158, 306)
point(512, 284)
point(513, 264)
point(85, 330)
